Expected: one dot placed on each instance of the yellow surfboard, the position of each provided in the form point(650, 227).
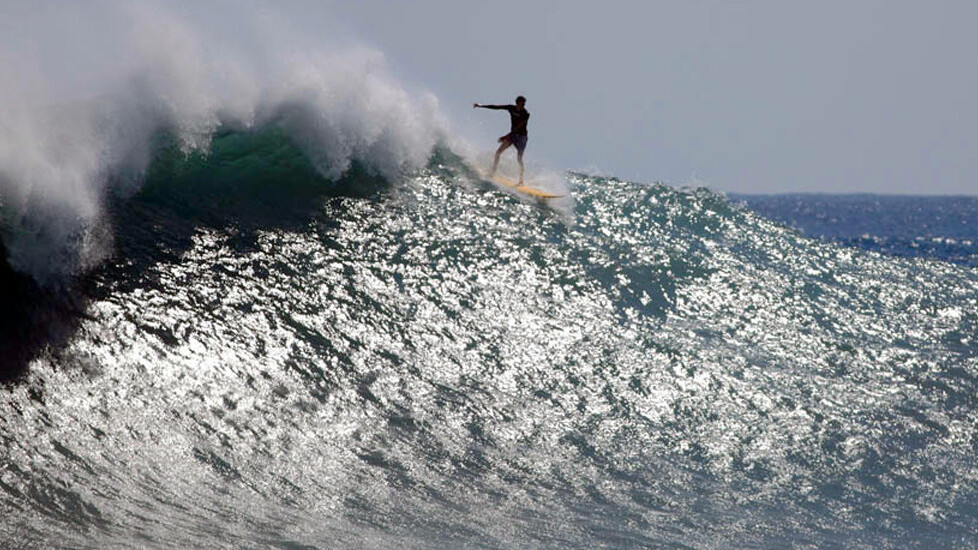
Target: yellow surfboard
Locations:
point(525, 189)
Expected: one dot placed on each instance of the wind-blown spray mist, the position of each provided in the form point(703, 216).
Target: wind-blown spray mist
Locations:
point(77, 126)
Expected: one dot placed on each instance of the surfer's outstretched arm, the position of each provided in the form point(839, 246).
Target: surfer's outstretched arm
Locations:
point(500, 107)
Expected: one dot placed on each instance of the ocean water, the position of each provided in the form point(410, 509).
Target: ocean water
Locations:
point(937, 227)
point(250, 312)
point(273, 359)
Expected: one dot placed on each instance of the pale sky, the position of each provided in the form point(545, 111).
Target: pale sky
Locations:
point(751, 96)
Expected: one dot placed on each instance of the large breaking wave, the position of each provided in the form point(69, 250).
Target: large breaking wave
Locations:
point(88, 88)
point(438, 363)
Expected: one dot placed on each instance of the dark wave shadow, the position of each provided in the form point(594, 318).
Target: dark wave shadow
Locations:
point(32, 318)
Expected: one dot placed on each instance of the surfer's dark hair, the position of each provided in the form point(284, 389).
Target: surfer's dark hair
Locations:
point(520, 98)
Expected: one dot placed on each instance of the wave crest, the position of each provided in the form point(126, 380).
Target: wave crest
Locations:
point(84, 125)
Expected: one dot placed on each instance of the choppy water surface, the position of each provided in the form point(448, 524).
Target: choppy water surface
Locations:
point(440, 364)
point(937, 227)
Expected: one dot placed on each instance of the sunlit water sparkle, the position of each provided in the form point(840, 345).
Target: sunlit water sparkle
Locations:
point(441, 364)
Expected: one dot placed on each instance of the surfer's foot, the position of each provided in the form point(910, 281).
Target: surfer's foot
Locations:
point(520, 184)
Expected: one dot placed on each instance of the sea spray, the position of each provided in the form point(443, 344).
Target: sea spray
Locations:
point(73, 129)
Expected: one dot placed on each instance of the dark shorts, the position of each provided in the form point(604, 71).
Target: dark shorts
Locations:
point(518, 141)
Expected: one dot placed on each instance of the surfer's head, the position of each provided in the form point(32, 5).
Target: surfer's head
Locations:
point(520, 101)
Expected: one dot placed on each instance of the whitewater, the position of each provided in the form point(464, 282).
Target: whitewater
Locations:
point(254, 295)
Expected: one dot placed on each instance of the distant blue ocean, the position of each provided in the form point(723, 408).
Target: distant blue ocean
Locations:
point(936, 227)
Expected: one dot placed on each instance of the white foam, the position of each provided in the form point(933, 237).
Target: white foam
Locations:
point(87, 87)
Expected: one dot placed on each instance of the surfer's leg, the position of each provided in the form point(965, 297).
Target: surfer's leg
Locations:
point(520, 143)
point(519, 158)
point(495, 163)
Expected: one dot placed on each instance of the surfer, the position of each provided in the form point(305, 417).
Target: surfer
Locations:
point(517, 136)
